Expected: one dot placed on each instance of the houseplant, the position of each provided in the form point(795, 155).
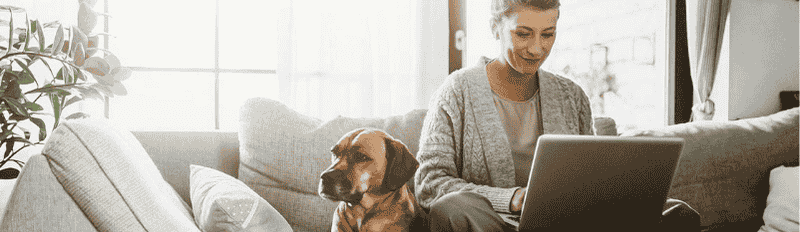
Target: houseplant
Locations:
point(63, 70)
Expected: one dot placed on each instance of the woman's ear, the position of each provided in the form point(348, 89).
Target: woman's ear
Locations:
point(495, 30)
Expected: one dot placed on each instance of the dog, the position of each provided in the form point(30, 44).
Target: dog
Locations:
point(368, 177)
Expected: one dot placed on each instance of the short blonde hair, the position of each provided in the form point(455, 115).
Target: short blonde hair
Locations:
point(501, 8)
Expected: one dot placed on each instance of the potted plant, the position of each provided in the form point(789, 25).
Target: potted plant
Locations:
point(55, 72)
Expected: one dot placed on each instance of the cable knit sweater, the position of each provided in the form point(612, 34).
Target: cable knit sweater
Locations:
point(464, 146)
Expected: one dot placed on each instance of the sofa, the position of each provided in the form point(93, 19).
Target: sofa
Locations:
point(278, 153)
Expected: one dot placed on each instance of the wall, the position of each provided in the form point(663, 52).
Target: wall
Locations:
point(763, 56)
point(720, 94)
point(433, 22)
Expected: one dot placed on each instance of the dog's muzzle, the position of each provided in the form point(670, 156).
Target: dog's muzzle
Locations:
point(335, 186)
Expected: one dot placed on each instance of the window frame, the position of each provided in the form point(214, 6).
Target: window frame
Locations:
point(216, 70)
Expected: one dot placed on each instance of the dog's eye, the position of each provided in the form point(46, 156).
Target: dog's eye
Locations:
point(358, 157)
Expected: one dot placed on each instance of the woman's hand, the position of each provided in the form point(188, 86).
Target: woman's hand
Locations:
point(517, 200)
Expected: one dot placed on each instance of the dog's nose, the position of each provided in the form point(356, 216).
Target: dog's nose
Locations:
point(331, 175)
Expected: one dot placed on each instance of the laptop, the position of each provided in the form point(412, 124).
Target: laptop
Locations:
point(580, 182)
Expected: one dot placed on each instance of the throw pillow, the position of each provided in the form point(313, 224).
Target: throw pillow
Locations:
point(781, 212)
point(223, 203)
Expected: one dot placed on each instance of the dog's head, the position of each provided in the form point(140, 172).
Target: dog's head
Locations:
point(366, 161)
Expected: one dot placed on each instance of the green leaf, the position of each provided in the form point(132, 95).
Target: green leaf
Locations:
point(9, 173)
point(50, 69)
point(33, 106)
point(8, 76)
point(10, 31)
point(9, 147)
point(68, 75)
point(79, 75)
point(25, 132)
point(27, 75)
point(60, 74)
point(78, 115)
point(58, 41)
point(28, 32)
point(17, 117)
point(40, 31)
point(42, 128)
point(97, 66)
point(79, 55)
point(12, 90)
point(119, 89)
point(73, 100)
point(56, 101)
point(16, 107)
point(51, 89)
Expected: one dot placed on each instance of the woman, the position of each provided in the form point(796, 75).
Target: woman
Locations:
point(482, 124)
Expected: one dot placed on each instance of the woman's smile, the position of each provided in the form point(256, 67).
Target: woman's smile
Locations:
point(526, 38)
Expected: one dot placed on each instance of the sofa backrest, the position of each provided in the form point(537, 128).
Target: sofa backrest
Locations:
point(174, 151)
point(723, 171)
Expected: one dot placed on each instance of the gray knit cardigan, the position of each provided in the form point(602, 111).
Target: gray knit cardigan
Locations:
point(463, 145)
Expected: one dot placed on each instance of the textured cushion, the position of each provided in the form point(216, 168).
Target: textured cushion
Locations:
point(113, 180)
point(781, 213)
point(223, 203)
point(724, 168)
point(284, 152)
point(39, 203)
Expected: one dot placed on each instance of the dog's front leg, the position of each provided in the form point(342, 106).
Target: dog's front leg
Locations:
point(342, 220)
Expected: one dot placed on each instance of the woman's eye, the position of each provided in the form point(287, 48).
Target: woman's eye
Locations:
point(523, 34)
point(548, 35)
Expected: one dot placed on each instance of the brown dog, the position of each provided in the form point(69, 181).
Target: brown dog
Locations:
point(368, 175)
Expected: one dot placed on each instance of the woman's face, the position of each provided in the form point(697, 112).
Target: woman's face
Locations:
point(526, 37)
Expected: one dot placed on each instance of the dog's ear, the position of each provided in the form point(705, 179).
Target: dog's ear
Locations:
point(400, 165)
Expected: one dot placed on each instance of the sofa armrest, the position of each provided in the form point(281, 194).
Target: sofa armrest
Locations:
point(39, 203)
point(174, 151)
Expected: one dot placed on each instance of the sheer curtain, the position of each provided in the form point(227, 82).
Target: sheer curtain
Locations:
point(352, 58)
point(705, 21)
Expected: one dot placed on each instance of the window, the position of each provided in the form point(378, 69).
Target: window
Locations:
point(616, 50)
point(194, 61)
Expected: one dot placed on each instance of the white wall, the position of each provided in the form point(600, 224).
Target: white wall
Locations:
point(434, 23)
point(480, 40)
point(763, 56)
point(720, 94)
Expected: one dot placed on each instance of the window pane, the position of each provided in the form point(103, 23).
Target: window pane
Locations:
point(166, 101)
point(236, 88)
point(165, 34)
point(616, 51)
point(247, 34)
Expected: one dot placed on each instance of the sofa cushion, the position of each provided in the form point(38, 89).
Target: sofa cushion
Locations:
point(724, 168)
point(37, 190)
point(223, 203)
point(781, 213)
point(283, 152)
point(113, 180)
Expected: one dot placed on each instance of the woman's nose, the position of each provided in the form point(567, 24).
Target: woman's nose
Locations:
point(535, 47)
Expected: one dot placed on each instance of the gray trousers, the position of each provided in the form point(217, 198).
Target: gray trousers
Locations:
point(468, 211)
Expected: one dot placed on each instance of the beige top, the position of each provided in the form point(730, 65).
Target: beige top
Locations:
point(522, 121)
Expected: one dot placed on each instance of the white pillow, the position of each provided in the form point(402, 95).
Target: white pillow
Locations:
point(781, 213)
point(223, 203)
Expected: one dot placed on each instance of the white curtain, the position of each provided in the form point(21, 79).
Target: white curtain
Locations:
point(354, 58)
point(705, 21)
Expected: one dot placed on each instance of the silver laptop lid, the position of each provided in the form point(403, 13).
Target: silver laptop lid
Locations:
point(580, 182)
